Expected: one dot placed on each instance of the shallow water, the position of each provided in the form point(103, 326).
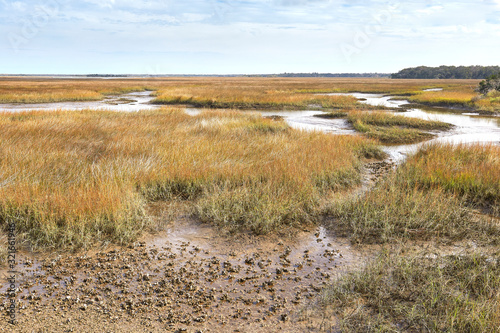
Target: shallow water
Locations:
point(306, 120)
point(374, 99)
point(469, 127)
point(138, 101)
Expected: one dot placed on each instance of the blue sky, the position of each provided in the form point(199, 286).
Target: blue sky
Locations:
point(244, 37)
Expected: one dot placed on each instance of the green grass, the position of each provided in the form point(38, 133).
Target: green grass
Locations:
point(390, 119)
point(392, 135)
point(419, 294)
point(389, 128)
point(333, 114)
point(394, 211)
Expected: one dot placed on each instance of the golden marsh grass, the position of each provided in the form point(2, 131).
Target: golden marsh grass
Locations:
point(390, 128)
point(430, 196)
point(469, 171)
point(72, 178)
point(244, 92)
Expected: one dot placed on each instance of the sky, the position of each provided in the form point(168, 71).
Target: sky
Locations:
point(244, 37)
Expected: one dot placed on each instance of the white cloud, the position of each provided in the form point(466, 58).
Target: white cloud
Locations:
point(431, 9)
point(236, 36)
point(102, 3)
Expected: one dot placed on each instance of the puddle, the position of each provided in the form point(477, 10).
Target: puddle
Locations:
point(375, 99)
point(434, 89)
point(131, 102)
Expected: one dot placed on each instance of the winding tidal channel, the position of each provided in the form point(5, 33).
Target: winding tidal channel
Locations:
point(469, 127)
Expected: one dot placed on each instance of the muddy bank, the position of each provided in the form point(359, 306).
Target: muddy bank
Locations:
point(186, 279)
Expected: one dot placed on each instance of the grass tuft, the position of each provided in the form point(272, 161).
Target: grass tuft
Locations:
point(419, 294)
point(469, 171)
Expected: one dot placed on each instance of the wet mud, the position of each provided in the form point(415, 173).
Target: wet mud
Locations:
point(187, 278)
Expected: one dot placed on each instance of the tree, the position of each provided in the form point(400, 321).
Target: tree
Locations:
point(447, 72)
point(492, 83)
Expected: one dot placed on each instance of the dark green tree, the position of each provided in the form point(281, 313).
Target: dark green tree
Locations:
point(492, 83)
point(447, 72)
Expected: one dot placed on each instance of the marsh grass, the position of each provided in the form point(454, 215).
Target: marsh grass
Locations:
point(390, 119)
point(471, 172)
point(429, 197)
point(333, 114)
point(489, 104)
point(71, 178)
point(246, 92)
point(419, 294)
point(444, 98)
point(51, 97)
point(464, 97)
point(389, 128)
point(394, 211)
point(36, 90)
point(243, 97)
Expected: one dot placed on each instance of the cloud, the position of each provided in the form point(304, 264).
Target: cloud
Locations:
point(236, 35)
point(431, 9)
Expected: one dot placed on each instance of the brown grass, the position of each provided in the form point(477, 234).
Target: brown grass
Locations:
point(430, 196)
point(72, 178)
point(239, 92)
point(390, 128)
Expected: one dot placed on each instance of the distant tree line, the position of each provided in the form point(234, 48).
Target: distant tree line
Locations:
point(107, 75)
point(325, 75)
point(447, 72)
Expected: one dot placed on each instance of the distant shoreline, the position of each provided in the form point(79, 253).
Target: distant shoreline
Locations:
point(312, 75)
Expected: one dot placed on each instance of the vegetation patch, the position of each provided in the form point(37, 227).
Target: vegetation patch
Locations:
point(72, 178)
point(445, 98)
point(394, 129)
point(28, 91)
point(471, 172)
point(333, 115)
point(428, 197)
point(419, 294)
point(241, 97)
